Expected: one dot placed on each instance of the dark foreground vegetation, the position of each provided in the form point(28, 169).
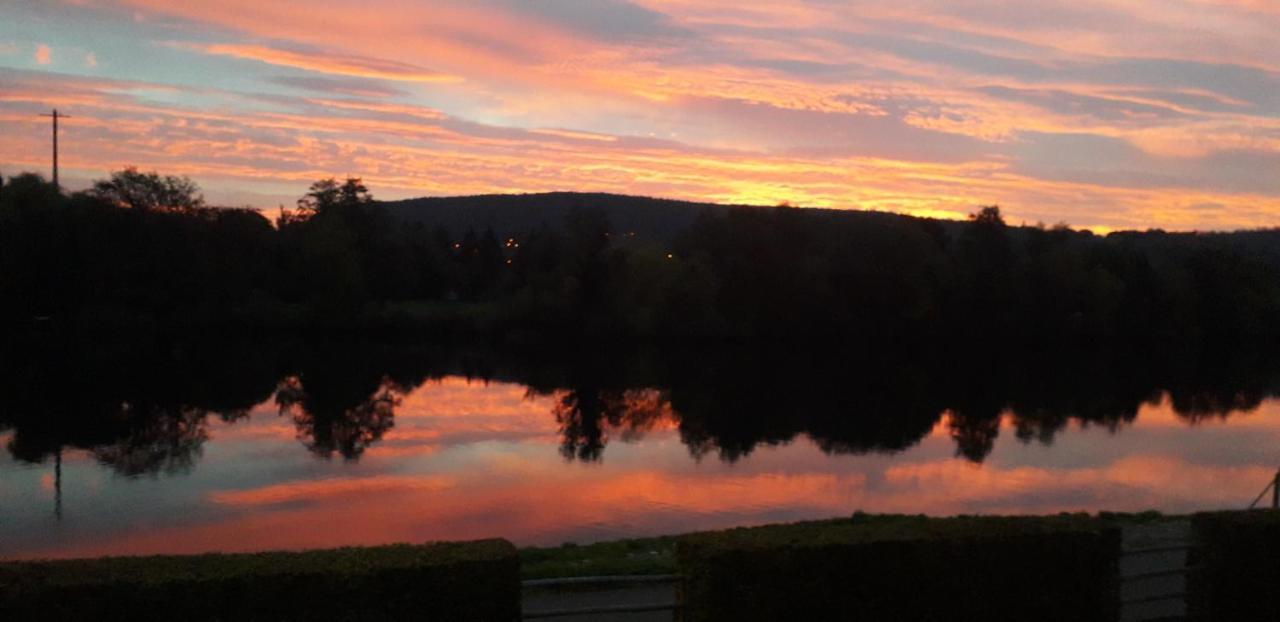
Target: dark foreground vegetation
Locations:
point(900, 568)
point(453, 581)
point(905, 568)
point(143, 250)
point(1236, 553)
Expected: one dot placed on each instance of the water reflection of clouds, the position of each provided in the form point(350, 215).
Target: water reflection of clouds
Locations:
point(637, 481)
point(469, 459)
point(314, 491)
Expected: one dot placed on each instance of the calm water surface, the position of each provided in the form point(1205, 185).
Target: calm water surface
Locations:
point(261, 452)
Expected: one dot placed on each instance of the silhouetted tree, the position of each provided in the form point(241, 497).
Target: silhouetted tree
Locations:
point(985, 288)
point(333, 248)
point(28, 191)
point(149, 191)
point(342, 260)
point(328, 195)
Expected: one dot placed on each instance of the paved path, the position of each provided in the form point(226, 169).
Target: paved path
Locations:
point(537, 599)
point(1134, 562)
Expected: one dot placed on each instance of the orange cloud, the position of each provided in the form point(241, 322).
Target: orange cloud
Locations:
point(357, 66)
point(575, 135)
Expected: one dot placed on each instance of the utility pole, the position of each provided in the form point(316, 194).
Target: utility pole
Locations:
point(55, 117)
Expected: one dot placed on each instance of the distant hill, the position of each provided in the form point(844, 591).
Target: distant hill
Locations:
point(663, 220)
point(517, 214)
point(512, 215)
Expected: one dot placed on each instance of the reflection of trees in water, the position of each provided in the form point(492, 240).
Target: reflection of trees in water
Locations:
point(974, 435)
point(138, 406)
point(168, 441)
point(145, 408)
point(727, 405)
point(330, 423)
point(973, 417)
point(130, 439)
point(735, 405)
point(342, 398)
point(587, 416)
point(141, 415)
point(1206, 404)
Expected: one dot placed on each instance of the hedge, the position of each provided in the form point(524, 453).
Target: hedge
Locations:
point(904, 568)
point(1236, 565)
point(477, 580)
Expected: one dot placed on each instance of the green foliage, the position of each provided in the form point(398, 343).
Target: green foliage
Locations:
point(905, 568)
point(461, 581)
point(1237, 566)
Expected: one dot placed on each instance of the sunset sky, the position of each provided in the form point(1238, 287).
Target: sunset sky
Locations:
point(1107, 114)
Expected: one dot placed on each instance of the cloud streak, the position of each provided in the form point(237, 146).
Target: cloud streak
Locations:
point(342, 65)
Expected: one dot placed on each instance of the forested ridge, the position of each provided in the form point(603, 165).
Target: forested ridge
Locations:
point(144, 249)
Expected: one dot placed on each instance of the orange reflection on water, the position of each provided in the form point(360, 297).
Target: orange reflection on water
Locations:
point(470, 460)
point(343, 489)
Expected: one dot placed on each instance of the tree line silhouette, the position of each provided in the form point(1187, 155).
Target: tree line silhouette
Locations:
point(143, 406)
point(143, 249)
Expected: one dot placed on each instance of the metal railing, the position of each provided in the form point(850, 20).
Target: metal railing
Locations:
point(1274, 487)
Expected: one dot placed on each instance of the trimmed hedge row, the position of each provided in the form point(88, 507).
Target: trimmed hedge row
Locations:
point(477, 580)
point(905, 568)
point(1237, 566)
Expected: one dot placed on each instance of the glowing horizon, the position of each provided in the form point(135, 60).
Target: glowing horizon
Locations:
point(1102, 115)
